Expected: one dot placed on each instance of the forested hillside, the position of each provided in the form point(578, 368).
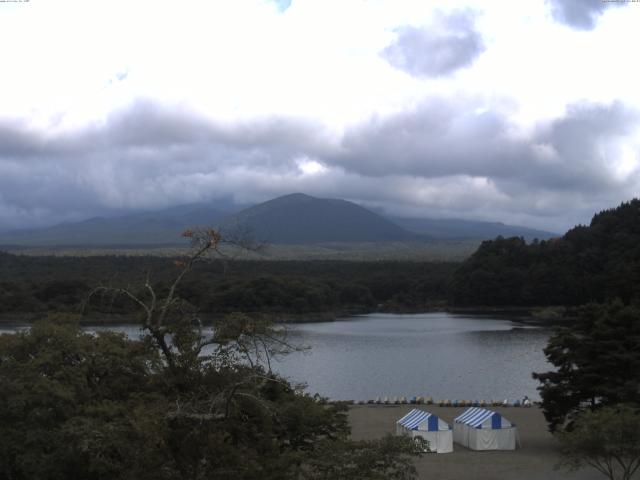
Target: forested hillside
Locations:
point(589, 263)
point(41, 284)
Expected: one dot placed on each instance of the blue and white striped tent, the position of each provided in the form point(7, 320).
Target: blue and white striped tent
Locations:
point(482, 429)
point(418, 423)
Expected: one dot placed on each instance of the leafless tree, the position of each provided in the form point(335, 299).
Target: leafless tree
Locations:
point(179, 334)
point(178, 331)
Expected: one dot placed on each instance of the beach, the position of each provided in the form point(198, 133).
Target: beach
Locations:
point(535, 460)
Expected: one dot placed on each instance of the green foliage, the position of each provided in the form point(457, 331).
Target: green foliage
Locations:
point(597, 362)
point(607, 439)
point(42, 284)
point(387, 458)
point(588, 264)
point(76, 405)
point(179, 403)
point(69, 401)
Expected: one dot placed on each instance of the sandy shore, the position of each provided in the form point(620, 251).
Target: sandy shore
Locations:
point(535, 460)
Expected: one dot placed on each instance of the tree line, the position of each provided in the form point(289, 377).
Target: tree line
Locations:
point(43, 284)
point(588, 264)
point(591, 399)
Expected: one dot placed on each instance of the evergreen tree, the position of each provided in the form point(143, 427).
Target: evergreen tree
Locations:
point(588, 264)
point(607, 440)
point(597, 362)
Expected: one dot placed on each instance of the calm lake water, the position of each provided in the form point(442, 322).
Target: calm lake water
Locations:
point(433, 354)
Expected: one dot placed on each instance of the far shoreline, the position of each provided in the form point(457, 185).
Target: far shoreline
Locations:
point(531, 316)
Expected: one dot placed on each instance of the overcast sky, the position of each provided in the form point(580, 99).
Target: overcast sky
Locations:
point(524, 112)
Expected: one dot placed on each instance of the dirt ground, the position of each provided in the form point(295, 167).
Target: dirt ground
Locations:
point(534, 461)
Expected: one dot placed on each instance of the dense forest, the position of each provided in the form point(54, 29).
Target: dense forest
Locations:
point(45, 284)
point(588, 264)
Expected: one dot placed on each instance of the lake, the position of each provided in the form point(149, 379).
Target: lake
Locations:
point(441, 355)
point(434, 354)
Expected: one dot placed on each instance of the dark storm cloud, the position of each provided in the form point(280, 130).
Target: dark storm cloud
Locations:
point(143, 156)
point(436, 138)
point(439, 139)
point(472, 164)
point(17, 139)
point(585, 141)
point(443, 157)
point(146, 124)
point(147, 134)
point(580, 14)
point(449, 44)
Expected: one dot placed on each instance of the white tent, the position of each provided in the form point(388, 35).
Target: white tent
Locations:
point(418, 423)
point(481, 429)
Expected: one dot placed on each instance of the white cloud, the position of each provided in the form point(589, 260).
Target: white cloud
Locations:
point(310, 167)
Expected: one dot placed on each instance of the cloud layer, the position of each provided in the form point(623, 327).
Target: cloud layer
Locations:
point(484, 110)
point(439, 158)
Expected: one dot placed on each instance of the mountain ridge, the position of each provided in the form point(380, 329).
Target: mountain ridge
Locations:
point(455, 228)
point(301, 219)
point(295, 218)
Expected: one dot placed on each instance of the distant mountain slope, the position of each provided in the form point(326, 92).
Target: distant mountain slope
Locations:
point(290, 219)
point(301, 219)
point(453, 228)
point(150, 228)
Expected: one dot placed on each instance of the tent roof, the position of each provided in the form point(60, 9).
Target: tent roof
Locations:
point(474, 417)
point(415, 417)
